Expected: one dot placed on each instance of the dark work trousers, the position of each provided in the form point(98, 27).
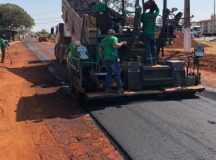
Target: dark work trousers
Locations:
point(3, 54)
point(150, 48)
point(113, 67)
point(71, 72)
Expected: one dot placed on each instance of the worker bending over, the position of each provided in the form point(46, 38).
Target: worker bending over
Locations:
point(2, 47)
point(110, 46)
point(104, 7)
point(149, 25)
point(72, 53)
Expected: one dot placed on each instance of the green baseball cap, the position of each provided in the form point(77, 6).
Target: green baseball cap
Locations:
point(3, 35)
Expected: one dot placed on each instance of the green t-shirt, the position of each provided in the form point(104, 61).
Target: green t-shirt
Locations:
point(100, 7)
point(107, 45)
point(73, 53)
point(149, 22)
point(2, 43)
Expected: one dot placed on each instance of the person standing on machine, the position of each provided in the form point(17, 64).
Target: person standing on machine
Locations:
point(110, 46)
point(2, 47)
point(149, 25)
point(72, 49)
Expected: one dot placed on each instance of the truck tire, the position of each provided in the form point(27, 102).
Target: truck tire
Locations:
point(39, 39)
point(61, 55)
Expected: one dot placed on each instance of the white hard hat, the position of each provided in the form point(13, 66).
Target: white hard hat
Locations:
point(76, 43)
point(111, 31)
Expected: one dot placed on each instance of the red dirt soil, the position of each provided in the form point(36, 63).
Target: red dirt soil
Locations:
point(207, 65)
point(38, 121)
point(179, 42)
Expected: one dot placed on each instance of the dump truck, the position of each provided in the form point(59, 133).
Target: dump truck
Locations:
point(168, 77)
point(43, 37)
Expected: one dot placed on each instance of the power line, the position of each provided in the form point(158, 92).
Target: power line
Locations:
point(48, 18)
point(49, 22)
point(45, 12)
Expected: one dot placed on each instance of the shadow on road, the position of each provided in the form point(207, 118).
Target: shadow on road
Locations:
point(138, 99)
point(48, 106)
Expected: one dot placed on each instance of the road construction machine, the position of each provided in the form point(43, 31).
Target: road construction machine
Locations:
point(88, 82)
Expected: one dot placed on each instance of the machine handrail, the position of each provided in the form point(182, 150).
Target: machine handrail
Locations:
point(84, 62)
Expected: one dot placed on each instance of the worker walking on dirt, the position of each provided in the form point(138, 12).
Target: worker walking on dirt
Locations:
point(149, 25)
point(110, 46)
point(72, 49)
point(104, 7)
point(3, 46)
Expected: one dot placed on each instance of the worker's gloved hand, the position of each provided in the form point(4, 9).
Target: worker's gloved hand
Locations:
point(147, 5)
point(102, 61)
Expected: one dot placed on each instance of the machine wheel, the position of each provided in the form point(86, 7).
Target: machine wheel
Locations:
point(39, 39)
point(61, 56)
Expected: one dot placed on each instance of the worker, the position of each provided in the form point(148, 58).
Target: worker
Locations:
point(3, 46)
point(110, 46)
point(72, 49)
point(149, 25)
point(104, 7)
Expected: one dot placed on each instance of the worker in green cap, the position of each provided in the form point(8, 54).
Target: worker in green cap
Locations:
point(2, 47)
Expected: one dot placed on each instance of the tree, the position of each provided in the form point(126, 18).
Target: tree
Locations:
point(117, 4)
point(12, 16)
point(43, 31)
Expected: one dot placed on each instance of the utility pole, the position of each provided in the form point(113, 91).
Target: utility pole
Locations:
point(187, 34)
point(214, 16)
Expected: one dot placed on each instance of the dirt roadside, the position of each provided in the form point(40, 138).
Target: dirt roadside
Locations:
point(37, 121)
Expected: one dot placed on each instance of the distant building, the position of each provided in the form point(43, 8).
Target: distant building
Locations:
point(207, 25)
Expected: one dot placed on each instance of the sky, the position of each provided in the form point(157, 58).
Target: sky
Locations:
point(47, 13)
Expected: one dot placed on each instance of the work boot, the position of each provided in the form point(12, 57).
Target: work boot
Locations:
point(154, 63)
point(110, 91)
point(120, 91)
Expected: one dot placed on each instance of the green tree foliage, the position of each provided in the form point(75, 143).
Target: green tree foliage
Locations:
point(44, 31)
point(117, 5)
point(12, 16)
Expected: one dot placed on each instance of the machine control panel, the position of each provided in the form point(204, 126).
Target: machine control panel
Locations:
point(199, 51)
point(82, 52)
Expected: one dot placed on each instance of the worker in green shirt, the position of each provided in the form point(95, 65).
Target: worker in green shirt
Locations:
point(2, 47)
point(104, 7)
point(149, 25)
point(72, 53)
point(109, 46)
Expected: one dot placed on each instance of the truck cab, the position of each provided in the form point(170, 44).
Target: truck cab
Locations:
point(197, 31)
point(181, 30)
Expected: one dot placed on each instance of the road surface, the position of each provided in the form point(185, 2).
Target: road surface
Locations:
point(156, 128)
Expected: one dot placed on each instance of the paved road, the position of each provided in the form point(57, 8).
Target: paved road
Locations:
point(154, 128)
point(206, 38)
